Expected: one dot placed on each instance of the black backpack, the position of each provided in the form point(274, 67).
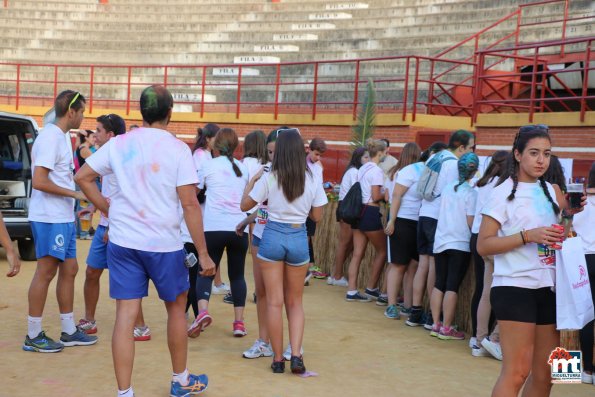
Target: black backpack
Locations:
point(350, 208)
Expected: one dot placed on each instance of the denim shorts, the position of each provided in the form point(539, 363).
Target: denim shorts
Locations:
point(97, 258)
point(54, 239)
point(130, 271)
point(255, 241)
point(284, 242)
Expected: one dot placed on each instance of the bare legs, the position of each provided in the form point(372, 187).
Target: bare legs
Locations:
point(47, 267)
point(360, 241)
point(127, 312)
point(525, 349)
point(344, 248)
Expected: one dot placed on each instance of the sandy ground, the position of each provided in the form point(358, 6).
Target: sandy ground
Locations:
point(355, 350)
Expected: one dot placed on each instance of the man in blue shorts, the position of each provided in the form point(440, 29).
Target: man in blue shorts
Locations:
point(51, 215)
point(155, 173)
point(108, 126)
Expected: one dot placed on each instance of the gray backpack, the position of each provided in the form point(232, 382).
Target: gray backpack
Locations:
point(429, 177)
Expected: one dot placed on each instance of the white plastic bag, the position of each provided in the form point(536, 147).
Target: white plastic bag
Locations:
point(574, 306)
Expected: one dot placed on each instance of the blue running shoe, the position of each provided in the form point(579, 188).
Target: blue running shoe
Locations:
point(392, 312)
point(42, 344)
point(79, 338)
point(196, 385)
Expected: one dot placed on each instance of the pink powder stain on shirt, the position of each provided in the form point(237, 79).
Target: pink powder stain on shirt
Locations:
point(155, 167)
point(142, 214)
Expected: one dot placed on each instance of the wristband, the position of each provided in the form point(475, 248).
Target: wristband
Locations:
point(523, 237)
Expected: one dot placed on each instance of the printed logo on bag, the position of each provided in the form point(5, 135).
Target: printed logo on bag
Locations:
point(547, 256)
point(566, 365)
point(584, 279)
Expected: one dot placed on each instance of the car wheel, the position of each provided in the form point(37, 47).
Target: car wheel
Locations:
point(27, 249)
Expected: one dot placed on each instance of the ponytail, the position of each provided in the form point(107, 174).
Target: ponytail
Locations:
point(226, 141)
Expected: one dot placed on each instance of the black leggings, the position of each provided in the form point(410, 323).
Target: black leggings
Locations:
point(451, 267)
point(236, 248)
point(479, 266)
point(586, 334)
point(193, 275)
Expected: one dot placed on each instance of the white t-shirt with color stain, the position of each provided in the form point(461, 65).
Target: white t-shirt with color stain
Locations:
point(149, 165)
point(532, 265)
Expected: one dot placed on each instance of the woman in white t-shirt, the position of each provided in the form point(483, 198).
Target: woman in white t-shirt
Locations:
point(201, 154)
point(484, 345)
point(369, 228)
point(225, 179)
point(517, 229)
point(401, 227)
point(583, 225)
point(293, 194)
point(255, 153)
point(262, 346)
point(359, 157)
point(451, 247)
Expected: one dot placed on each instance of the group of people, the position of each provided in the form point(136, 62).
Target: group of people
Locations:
point(168, 213)
point(152, 227)
point(440, 214)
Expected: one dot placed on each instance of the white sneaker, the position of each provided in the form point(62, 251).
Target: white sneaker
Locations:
point(259, 349)
point(473, 342)
point(493, 348)
point(287, 352)
point(220, 289)
point(587, 378)
point(479, 352)
point(342, 282)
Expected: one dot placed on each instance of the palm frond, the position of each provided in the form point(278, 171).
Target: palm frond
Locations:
point(366, 119)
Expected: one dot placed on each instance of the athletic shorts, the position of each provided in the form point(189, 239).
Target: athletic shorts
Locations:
point(536, 306)
point(370, 221)
point(131, 270)
point(310, 227)
point(426, 231)
point(97, 258)
point(54, 239)
point(284, 242)
point(402, 244)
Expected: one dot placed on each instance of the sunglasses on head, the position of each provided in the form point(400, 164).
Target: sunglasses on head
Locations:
point(280, 130)
point(74, 98)
point(529, 128)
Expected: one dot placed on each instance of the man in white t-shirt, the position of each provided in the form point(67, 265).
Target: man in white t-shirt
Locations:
point(460, 142)
point(108, 126)
point(317, 148)
point(51, 216)
point(155, 173)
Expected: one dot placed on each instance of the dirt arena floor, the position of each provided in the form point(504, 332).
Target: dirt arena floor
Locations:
point(354, 349)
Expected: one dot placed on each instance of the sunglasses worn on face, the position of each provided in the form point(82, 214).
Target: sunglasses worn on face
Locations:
point(74, 98)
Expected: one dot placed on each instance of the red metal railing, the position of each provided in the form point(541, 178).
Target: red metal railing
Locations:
point(541, 87)
point(405, 84)
point(437, 97)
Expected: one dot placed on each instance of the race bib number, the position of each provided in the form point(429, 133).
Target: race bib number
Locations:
point(547, 255)
point(262, 216)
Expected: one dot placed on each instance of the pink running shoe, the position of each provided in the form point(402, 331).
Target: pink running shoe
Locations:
point(200, 323)
point(435, 329)
point(449, 333)
point(239, 329)
point(88, 327)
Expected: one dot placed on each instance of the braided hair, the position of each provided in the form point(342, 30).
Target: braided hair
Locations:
point(521, 140)
point(226, 142)
point(468, 165)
